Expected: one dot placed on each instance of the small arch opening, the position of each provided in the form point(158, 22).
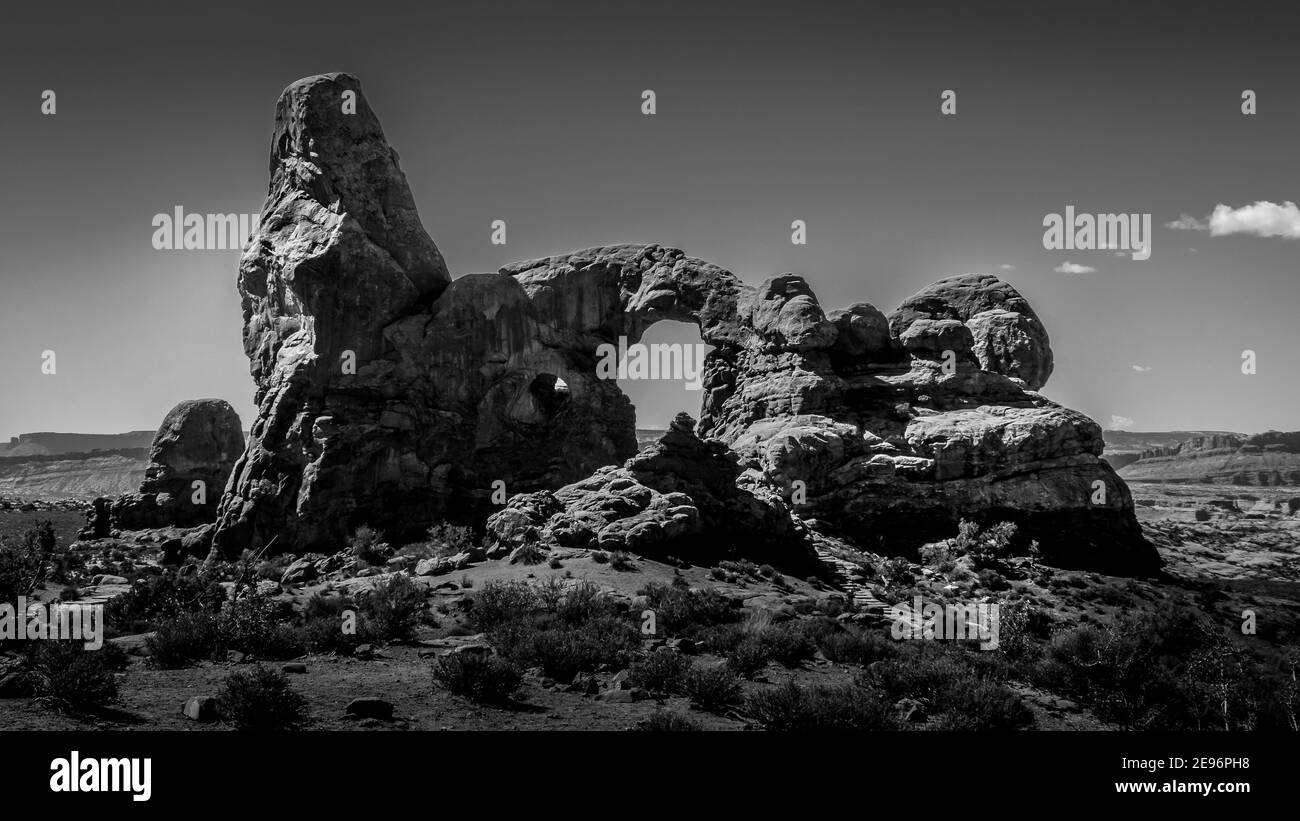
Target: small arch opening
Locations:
point(550, 392)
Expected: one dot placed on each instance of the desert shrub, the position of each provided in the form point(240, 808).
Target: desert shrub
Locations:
point(721, 639)
point(550, 593)
point(681, 610)
point(69, 676)
point(663, 721)
point(41, 539)
point(22, 568)
point(787, 644)
point(325, 635)
point(713, 688)
point(272, 569)
point(320, 606)
point(814, 630)
point(599, 557)
point(760, 640)
point(981, 705)
point(897, 572)
point(1113, 595)
point(392, 609)
point(154, 600)
point(259, 627)
point(986, 547)
point(843, 707)
point(991, 579)
point(574, 602)
point(183, 640)
point(832, 605)
point(448, 539)
point(923, 674)
point(367, 545)
point(479, 677)
point(621, 561)
point(718, 574)
point(937, 555)
point(322, 625)
point(260, 699)
point(660, 672)
point(499, 602)
point(1138, 670)
point(564, 650)
point(748, 657)
point(856, 647)
point(962, 688)
point(1022, 631)
point(252, 625)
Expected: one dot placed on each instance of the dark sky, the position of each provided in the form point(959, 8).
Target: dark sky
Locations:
point(530, 113)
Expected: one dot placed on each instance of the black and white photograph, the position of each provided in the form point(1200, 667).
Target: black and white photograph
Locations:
point(857, 376)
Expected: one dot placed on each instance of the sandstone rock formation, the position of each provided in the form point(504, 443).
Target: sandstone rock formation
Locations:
point(679, 497)
point(198, 442)
point(388, 394)
point(391, 396)
point(1266, 459)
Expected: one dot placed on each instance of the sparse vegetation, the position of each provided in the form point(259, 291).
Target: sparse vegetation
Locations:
point(23, 562)
point(713, 688)
point(393, 608)
point(261, 699)
point(368, 547)
point(621, 561)
point(663, 721)
point(663, 671)
point(479, 677)
point(69, 677)
point(843, 707)
point(681, 610)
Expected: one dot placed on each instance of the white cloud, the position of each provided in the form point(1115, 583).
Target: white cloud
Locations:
point(1186, 222)
point(1141, 368)
point(1006, 267)
point(1263, 219)
point(1120, 422)
point(1071, 268)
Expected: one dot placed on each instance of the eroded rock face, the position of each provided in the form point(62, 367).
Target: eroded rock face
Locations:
point(681, 496)
point(190, 461)
point(882, 430)
point(1007, 336)
point(387, 394)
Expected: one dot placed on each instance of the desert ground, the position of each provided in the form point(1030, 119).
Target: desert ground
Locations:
point(776, 643)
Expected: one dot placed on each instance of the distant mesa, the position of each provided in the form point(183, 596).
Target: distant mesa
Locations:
point(1124, 447)
point(1263, 459)
point(58, 444)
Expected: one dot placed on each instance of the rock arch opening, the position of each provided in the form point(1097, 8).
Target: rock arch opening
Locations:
point(663, 374)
